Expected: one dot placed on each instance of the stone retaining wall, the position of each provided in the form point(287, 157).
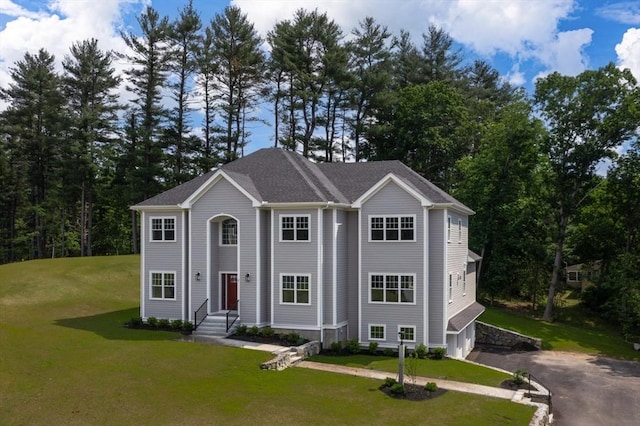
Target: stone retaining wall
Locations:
point(490, 335)
point(291, 356)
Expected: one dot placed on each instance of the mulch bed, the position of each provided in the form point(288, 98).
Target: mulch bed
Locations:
point(413, 392)
point(512, 385)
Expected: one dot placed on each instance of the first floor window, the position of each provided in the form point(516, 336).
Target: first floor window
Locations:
point(295, 289)
point(392, 288)
point(464, 279)
point(229, 232)
point(163, 229)
point(450, 290)
point(376, 332)
point(163, 285)
point(407, 333)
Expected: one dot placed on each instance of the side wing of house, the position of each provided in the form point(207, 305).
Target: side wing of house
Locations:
point(392, 264)
point(163, 266)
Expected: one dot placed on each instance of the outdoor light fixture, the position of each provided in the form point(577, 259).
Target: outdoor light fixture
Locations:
point(197, 276)
point(247, 277)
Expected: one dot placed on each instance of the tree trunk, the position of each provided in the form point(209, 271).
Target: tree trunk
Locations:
point(557, 264)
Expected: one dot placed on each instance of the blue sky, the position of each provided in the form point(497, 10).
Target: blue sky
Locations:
point(523, 39)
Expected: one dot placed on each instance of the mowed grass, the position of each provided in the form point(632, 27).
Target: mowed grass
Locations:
point(446, 369)
point(559, 336)
point(65, 358)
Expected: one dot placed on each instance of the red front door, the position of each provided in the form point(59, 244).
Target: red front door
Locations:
point(229, 291)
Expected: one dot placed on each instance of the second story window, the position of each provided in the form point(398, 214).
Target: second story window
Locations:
point(392, 228)
point(163, 229)
point(229, 236)
point(295, 228)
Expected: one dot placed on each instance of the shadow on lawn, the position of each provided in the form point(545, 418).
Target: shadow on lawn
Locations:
point(110, 325)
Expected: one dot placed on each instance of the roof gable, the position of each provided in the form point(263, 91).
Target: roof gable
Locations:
point(424, 202)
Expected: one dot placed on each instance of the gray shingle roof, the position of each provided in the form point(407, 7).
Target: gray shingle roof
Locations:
point(278, 176)
point(460, 320)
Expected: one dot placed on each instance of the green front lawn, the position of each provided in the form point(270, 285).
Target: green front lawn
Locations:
point(66, 359)
point(446, 369)
point(560, 336)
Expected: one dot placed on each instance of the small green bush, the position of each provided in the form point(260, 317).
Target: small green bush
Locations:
point(164, 324)
point(176, 324)
point(430, 387)
point(253, 331)
point(134, 322)
point(187, 326)
point(267, 332)
point(438, 353)
point(152, 322)
point(293, 338)
point(421, 351)
point(397, 389)
point(241, 330)
point(390, 381)
point(373, 348)
point(387, 352)
point(353, 346)
point(519, 376)
point(336, 347)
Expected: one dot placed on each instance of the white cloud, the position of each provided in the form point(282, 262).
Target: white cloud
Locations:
point(55, 29)
point(523, 30)
point(628, 51)
point(9, 8)
point(627, 12)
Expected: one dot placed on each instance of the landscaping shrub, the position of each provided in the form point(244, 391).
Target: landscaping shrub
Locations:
point(164, 324)
point(241, 330)
point(187, 327)
point(373, 348)
point(336, 347)
point(253, 331)
point(387, 352)
point(353, 346)
point(397, 389)
point(293, 338)
point(421, 351)
point(152, 322)
point(390, 381)
point(438, 353)
point(134, 322)
point(176, 324)
point(268, 332)
point(430, 387)
point(519, 376)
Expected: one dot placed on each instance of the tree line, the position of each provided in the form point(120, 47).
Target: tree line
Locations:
point(73, 158)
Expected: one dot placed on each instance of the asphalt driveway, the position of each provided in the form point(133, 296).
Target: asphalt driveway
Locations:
point(587, 390)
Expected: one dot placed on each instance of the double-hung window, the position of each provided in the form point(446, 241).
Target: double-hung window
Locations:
point(407, 333)
point(295, 289)
point(163, 229)
point(459, 231)
point(450, 289)
point(377, 331)
point(163, 285)
point(229, 234)
point(392, 288)
point(294, 228)
point(392, 228)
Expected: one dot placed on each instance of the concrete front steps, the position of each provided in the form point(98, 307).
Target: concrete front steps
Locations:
point(215, 325)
